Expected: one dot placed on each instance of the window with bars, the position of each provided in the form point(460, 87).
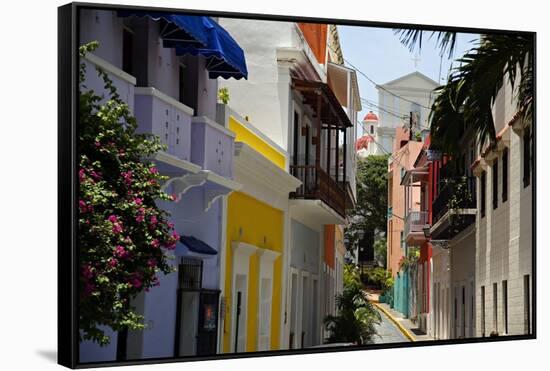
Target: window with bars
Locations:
point(505, 175)
point(483, 193)
point(495, 184)
point(190, 273)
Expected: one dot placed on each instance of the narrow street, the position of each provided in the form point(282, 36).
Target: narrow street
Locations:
point(388, 332)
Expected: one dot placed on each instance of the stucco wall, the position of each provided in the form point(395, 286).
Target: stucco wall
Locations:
point(306, 246)
point(462, 258)
point(504, 246)
point(403, 158)
point(258, 224)
point(265, 96)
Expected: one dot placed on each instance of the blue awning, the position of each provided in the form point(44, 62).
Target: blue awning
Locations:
point(188, 30)
point(225, 58)
point(197, 246)
point(200, 35)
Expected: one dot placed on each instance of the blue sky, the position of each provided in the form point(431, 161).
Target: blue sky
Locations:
point(380, 55)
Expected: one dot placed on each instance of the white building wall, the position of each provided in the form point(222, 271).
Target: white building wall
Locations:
point(504, 240)
point(462, 282)
point(439, 301)
point(262, 97)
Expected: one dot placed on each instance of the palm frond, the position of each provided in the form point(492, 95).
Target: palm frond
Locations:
point(464, 104)
point(413, 38)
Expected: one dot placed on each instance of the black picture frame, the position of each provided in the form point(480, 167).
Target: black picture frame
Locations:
point(68, 41)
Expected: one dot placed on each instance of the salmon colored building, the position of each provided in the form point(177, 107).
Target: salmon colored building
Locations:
point(403, 157)
point(418, 219)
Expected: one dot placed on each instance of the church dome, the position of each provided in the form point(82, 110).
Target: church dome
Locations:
point(370, 116)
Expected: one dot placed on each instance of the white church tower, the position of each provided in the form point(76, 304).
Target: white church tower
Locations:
point(397, 99)
point(366, 145)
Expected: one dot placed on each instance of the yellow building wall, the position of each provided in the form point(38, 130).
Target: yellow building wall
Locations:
point(245, 135)
point(255, 220)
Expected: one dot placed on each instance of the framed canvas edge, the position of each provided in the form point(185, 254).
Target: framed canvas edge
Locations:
point(67, 336)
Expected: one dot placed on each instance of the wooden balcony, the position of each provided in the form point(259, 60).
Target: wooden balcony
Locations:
point(318, 185)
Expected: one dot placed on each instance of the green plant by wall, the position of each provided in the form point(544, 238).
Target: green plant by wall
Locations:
point(381, 277)
point(409, 261)
point(357, 317)
point(123, 237)
point(460, 197)
point(223, 95)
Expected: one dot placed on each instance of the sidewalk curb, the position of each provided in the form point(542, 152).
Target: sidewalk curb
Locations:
point(401, 328)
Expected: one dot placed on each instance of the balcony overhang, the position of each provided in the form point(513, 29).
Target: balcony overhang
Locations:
point(415, 238)
point(331, 110)
point(443, 230)
point(314, 213)
point(184, 175)
point(301, 58)
point(261, 178)
point(415, 175)
point(217, 186)
point(343, 81)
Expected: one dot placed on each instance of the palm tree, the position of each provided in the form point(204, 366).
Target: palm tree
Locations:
point(465, 103)
point(357, 317)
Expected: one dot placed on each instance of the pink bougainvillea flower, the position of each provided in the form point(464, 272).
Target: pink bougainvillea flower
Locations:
point(135, 282)
point(117, 228)
point(153, 170)
point(113, 262)
point(155, 243)
point(153, 220)
point(81, 175)
point(96, 175)
point(138, 201)
point(97, 143)
point(170, 225)
point(152, 263)
point(82, 206)
point(140, 218)
point(172, 241)
point(121, 252)
point(174, 197)
point(127, 177)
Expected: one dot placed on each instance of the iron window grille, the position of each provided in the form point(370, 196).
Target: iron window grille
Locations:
point(190, 273)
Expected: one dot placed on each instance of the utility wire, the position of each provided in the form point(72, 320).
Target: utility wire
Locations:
point(374, 83)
